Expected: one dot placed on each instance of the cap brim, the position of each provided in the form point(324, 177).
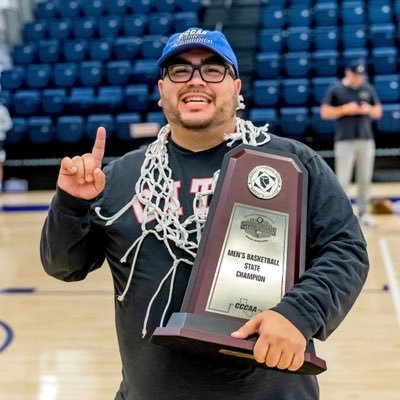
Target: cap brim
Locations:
point(179, 49)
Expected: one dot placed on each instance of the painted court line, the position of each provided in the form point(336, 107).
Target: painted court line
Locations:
point(391, 273)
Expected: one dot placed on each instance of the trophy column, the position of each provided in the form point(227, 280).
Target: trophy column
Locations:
point(251, 253)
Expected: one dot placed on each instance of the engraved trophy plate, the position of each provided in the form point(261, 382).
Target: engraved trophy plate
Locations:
point(251, 253)
point(250, 276)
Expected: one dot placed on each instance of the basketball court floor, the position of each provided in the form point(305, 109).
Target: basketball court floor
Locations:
point(57, 340)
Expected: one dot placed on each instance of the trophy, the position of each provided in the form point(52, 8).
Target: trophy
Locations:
point(251, 253)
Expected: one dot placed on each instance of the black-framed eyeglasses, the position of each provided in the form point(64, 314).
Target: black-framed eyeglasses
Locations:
point(210, 73)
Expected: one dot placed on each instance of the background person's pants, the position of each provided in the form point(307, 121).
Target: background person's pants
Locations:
point(360, 154)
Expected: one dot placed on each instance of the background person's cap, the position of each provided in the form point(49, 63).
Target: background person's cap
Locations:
point(214, 41)
point(358, 67)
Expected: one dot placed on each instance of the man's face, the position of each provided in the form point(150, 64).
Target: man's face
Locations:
point(355, 80)
point(197, 104)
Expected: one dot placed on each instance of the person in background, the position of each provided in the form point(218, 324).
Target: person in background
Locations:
point(5, 126)
point(145, 214)
point(354, 104)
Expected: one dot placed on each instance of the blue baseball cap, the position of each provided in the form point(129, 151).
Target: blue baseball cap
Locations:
point(197, 37)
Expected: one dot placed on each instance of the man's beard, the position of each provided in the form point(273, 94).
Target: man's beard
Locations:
point(191, 124)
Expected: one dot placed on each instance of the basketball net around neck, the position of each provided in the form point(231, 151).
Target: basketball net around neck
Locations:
point(155, 191)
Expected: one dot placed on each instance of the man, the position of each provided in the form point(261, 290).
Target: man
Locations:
point(353, 103)
point(140, 214)
point(5, 126)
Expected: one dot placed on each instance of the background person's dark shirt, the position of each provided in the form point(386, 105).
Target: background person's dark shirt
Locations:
point(352, 126)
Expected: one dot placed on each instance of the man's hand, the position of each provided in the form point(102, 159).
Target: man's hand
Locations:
point(280, 343)
point(366, 109)
point(82, 176)
point(352, 108)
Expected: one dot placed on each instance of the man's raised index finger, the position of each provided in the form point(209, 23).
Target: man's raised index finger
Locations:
point(99, 145)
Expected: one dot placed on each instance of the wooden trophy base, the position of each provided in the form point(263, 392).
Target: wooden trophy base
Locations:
point(210, 336)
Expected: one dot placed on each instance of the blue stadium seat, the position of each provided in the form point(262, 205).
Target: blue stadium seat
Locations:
point(390, 121)
point(53, 100)
point(299, 15)
point(40, 129)
point(295, 92)
point(298, 38)
point(353, 12)
point(116, 7)
point(118, 72)
point(69, 8)
point(100, 49)
point(24, 53)
point(75, 50)
point(380, 11)
point(154, 98)
point(94, 121)
point(270, 40)
point(326, 38)
point(325, 62)
point(272, 17)
point(145, 71)
point(48, 50)
point(183, 20)
point(90, 73)
point(13, 78)
point(135, 25)
point(160, 23)
point(123, 124)
point(189, 5)
point(65, 74)
point(93, 8)
point(350, 55)
point(84, 28)
point(35, 30)
point(324, 129)
point(141, 6)
point(70, 128)
point(384, 60)
point(326, 14)
point(396, 9)
point(82, 99)
point(18, 132)
point(45, 10)
point(266, 93)
point(38, 75)
point(26, 102)
point(267, 65)
point(153, 45)
point(109, 26)
point(262, 116)
point(6, 99)
point(302, 2)
point(127, 48)
point(297, 64)
point(137, 97)
point(382, 35)
point(60, 29)
point(354, 36)
point(319, 86)
point(387, 87)
point(294, 122)
point(156, 116)
point(165, 5)
point(110, 98)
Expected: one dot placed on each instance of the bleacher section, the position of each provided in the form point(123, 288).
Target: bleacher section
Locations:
point(303, 46)
point(88, 62)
